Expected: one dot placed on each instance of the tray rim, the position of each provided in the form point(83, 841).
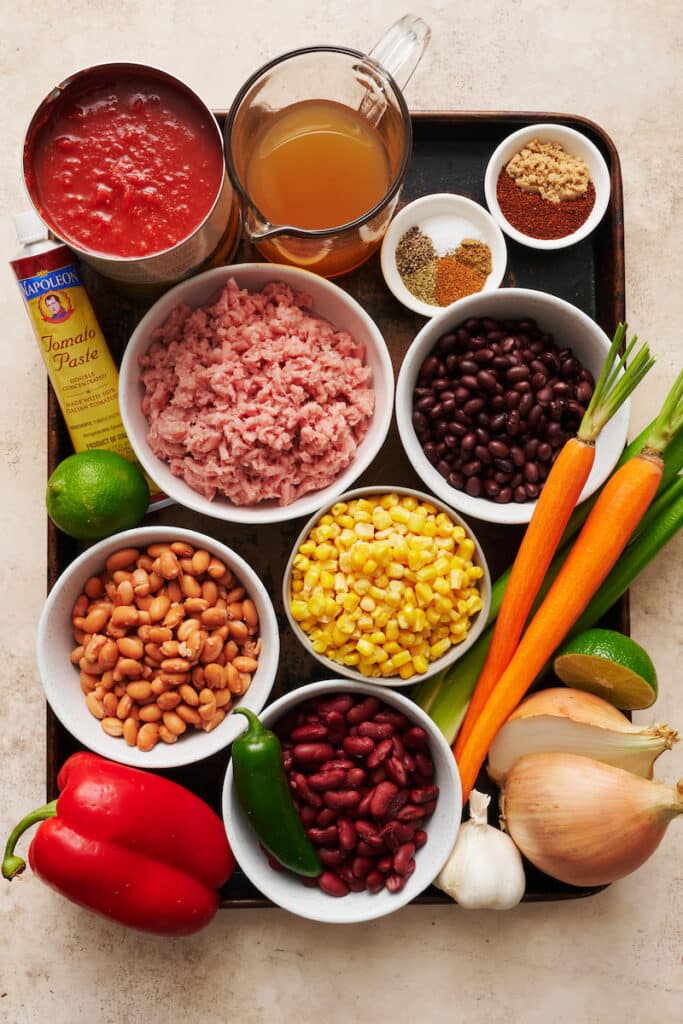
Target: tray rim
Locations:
point(615, 217)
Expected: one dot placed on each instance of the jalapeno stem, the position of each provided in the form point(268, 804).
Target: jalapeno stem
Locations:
point(11, 864)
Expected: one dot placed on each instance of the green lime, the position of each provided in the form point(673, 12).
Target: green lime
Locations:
point(610, 665)
point(96, 493)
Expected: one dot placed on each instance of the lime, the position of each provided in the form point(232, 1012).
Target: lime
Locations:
point(96, 493)
point(610, 665)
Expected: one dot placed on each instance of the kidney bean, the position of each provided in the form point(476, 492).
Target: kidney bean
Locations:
point(428, 808)
point(347, 834)
point(342, 799)
point(376, 730)
point(332, 884)
point(327, 780)
point(381, 796)
point(363, 809)
point(361, 866)
point(358, 746)
point(336, 726)
point(325, 817)
point(402, 857)
point(385, 864)
point(408, 761)
point(313, 731)
point(388, 835)
point(287, 759)
point(378, 774)
point(303, 790)
point(355, 777)
point(374, 882)
point(337, 763)
point(332, 858)
point(424, 764)
point(419, 838)
point(341, 704)
point(411, 812)
point(369, 849)
point(380, 753)
point(425, 795)
point(396, 802)
point(396, 771)
point(324, 836)
point(415, 738)
point(395, 883)
point(363, 711)
point(317, 752)
point(308, 816)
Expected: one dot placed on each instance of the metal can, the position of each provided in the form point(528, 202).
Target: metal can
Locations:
point(214, 239)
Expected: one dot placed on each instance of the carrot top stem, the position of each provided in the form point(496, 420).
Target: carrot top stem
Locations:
point(615, 383)
point(670, 419)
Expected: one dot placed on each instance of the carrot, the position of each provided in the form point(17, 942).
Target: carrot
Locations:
point(615, 516)
point(559, 496)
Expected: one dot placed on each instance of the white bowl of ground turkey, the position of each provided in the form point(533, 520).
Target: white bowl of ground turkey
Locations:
point(256, 393)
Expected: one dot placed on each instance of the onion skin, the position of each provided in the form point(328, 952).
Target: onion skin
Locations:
point(578, 705)
point(583, 822)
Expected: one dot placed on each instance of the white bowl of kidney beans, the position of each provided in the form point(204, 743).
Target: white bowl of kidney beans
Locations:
point(376, 787)
point(488, 393)
point(181, 653)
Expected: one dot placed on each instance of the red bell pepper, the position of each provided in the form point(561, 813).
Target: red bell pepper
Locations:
point(130, 845)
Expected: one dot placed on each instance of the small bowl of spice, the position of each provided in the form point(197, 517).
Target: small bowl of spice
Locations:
point(547, 186)
point(439, 249)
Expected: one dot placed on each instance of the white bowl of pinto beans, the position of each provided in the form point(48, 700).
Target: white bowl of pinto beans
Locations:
point(149, 639)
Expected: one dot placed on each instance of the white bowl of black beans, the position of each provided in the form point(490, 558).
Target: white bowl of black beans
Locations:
point(488, 393)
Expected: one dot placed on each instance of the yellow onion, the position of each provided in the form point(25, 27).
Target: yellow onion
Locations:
point(566, 721)
point(584, 822)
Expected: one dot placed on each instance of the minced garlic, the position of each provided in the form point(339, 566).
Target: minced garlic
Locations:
point(549, 170)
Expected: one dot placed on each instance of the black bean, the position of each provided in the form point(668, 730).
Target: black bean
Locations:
point(456, 429)
point(486, 380)
point(498, 403)
point(500, 363)
point(483, 356)
point(556, 409)
point(502, 478)
point(544, 395)
point(508, 344)
point(569, 367)
point(468, 366)
point(504, 495)
point(430, 452)
point(532, 490)
point(472, 468)
point(539, 380)
point(448, 406)
point(512, 399)
point(443, 468)
point(435, 412)
point(522, 387)
point(456, 480)
point(447, 343)
point(519, 494)
point(498, 449)
point(491, 488)
point(468, 442)
point(535, 417)
point(473, 486)
point(497, 422)
point(526, 404)
point(531, 448)
point(472, 325)
point(513, 422)
point(531, 472)
point(463, 337)
point(517, 455)
point(482, 454)
point(561, 389)
point(461, 395)
point(430, 367)
point(469, 381)
point(536, 366)
point(517, 373)
point(419, 420)
point(426, 403)
point(584, 392)
point(474, 406)
point(504, 465)
point(516, 480)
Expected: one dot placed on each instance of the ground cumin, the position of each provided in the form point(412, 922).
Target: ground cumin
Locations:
point(475, 254)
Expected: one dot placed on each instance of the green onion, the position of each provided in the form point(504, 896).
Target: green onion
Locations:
point(615, 383)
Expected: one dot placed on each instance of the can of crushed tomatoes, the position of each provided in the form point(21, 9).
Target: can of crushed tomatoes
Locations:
point(124, 163)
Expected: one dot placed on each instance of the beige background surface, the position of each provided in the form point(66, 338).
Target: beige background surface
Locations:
point(617, 956)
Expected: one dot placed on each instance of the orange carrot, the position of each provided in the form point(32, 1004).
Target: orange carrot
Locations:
point(559, 496)
point(617, 512)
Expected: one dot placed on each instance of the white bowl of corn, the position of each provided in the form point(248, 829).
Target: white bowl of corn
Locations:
point(387, 584)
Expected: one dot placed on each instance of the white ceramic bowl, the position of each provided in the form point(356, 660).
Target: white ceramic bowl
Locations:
point(570, 327)
point(60, 678)
point(286, 889)
point(573, 142)
point(467, 219)
point(478, 621)
point(330, 302)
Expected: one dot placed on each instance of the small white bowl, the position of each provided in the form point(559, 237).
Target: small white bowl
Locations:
point(573, 142)
point(60, 678)
point(570, 327)
point(286, 889)
point(478, 621)
point(329, 302)
point(468, 219)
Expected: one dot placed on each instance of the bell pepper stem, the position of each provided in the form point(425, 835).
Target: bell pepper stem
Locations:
point(11, 864)
point(254, 727)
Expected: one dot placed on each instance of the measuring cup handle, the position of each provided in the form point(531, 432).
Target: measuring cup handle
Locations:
point(401, 47)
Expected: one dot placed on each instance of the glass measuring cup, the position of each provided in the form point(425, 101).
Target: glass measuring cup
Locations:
point(368, 89)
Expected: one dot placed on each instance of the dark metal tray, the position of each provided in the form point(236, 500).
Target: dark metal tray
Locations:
point(450, 153)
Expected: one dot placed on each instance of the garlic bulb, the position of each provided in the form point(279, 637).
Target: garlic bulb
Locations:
point(484, 871)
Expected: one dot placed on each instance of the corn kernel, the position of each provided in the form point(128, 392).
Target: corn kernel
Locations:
point(365, 648)
point(361, 586)
point(420, 664)
point(299, 610)
point(369, 568)
point(438, 649)
point(395, 571)
point(381, 519)
point(441, 586)
point(352, 659)
point(466, 548)
point(399, 514)
point(350, 601)
point(406, 671)
point(423, 593)
point(316, 605)
point(402, 658)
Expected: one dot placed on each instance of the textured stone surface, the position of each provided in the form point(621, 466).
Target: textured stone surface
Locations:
point(617, 956)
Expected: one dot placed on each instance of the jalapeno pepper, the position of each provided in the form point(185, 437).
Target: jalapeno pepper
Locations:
point(263, 792)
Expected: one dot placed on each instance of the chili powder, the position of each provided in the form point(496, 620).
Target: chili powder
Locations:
point(540, 218)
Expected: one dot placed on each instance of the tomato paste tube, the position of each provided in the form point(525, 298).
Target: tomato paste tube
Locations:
point(79, 363)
